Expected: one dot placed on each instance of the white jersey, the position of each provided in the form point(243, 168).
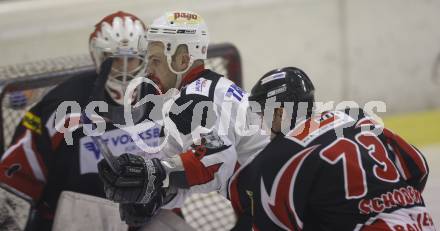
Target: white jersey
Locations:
point(216, 110)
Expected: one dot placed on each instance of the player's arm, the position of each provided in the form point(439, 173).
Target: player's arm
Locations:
point(26, 164)
point(201, 167)
point(409, 160)
point(208, 156)
point(285, 199)
point(23, 166)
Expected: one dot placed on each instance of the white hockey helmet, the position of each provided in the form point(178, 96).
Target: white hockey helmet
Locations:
point(119, 35)
point(180, 28)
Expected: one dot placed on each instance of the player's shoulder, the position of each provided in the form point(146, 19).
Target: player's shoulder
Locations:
point(362, 118)
point(213, 87)
point(203, 86)
point(74, 89)
point(319, 128)
point(77, 89)
point(326, 127)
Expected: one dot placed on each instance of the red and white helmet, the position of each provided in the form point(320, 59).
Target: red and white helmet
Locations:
point(122, 36)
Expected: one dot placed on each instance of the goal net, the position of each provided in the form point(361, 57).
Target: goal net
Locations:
point(22, 85)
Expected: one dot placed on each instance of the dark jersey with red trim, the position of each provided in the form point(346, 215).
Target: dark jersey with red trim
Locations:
point(333, 172)
point(40, 163)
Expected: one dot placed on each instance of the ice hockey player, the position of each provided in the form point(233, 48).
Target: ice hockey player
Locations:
point(39, 162)
point(177, 46)
point(339, 170)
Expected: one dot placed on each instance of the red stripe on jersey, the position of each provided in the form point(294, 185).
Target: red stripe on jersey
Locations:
point(406, 172)
point(408, 151)
point(311, 125)
point(234, 196)
point(233, 191)
point(195, 171)
point(56, 140)
point(23, 178)
point(366, 121)
point(278, 204)
point(237, 166)
point(13, 146)
point(39, 158)
point(69, 123)
point(378, 225)
point(192, 75)
point(413, 153)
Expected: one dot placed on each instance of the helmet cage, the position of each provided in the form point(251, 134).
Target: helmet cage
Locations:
point(122, 37)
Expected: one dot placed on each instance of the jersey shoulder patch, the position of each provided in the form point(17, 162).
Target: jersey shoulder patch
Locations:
point(310, 129)
point(234, 92)
point(32, 122)
point(200, 86)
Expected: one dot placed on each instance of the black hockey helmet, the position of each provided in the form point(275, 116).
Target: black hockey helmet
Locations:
point(288, 84)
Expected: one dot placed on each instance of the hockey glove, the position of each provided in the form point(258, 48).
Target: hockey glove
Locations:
point(137, 181)
point(140, 214)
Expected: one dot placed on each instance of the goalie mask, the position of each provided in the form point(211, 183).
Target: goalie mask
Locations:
point(118, 36)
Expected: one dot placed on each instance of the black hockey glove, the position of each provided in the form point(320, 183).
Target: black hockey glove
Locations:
point(140, 214)
point(137, 181)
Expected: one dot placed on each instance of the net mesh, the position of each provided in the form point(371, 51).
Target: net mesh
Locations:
point(44, 66)
point(202, 211)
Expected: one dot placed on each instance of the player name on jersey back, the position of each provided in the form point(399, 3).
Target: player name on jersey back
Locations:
point(308, 130)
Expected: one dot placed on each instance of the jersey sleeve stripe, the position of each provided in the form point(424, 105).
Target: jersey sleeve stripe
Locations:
point(195, 171)
point(32, 158)
point(28, 148)
point(403, 169)
point(56, 131)
point(414, 154)
point(24, 179)
point(410, 152)
point(233, 190)
point(13, 148)
point(282, 191)
point(39, 158)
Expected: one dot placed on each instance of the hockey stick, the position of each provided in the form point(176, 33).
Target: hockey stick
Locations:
point(97, 89)
point(102, 146)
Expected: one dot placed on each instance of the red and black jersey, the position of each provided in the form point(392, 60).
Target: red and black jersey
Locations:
point(333, 172)
point(41, 164)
